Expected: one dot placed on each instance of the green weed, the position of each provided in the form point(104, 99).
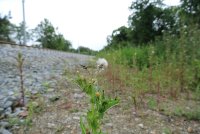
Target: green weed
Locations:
point(152, 103)
point(99, 105)
point(20, 62)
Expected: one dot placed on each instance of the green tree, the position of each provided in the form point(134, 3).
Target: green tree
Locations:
point(46, 34)
point(19, 35)
point(5, 28)
point(191, 9)
point(85, 50)
point(119, 37)
point(61, 43)
point(149, 19)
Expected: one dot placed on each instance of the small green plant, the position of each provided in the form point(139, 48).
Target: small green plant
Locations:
point(13, 121)
point(19, 122)
point(20, 62)
point(152, 103)
point(193, 115)
point(166, 131)
point(25, 118)
point(74, 110)
point(99, 105)
point(33, 107)
point(46, 85)
point(178, 111)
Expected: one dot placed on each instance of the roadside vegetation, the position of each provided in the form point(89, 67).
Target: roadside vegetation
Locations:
point(156, 58)
point(163, 71)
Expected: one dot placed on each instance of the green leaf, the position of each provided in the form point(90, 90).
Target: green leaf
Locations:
point(93, 120)
point(107, 104)
point(82, 125)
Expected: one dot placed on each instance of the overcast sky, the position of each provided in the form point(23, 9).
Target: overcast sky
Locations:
point(83, 22)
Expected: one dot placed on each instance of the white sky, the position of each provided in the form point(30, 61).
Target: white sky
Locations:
point(83, 22)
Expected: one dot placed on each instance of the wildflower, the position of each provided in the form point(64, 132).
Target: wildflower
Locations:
point(102, 63)
point(97, 94)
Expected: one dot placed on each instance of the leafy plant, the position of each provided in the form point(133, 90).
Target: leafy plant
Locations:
point(19, 122)
point(99, 105)
point(152, 103)
point(178, 111)
point(167, 131)
point(46, 85)
point(193, 115)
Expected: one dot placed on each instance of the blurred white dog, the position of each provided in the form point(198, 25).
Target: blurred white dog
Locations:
point(102, 63)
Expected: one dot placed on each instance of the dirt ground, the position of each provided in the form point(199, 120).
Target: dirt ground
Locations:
point(61, 115)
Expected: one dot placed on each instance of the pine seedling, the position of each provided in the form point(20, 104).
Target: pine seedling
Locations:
point(20, 62)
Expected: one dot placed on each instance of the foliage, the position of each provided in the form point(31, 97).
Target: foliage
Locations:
point(195, 80)
point(99, 105)
point(168, 67)
point(143, 20)
point(5, 28)
point(19, 35)
point(152, 103)
point(16, 121)
point(194, 115)
point(148, 21)
point(119, 38)
point(191, 9)
point(46, 34)
point(85, 50)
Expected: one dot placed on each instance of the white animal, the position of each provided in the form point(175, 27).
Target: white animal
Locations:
point(102, 63)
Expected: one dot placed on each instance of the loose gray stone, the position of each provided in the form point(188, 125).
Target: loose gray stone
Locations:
point(8, 111)
point(2, 97)
point(34, 92)
point(40, 66)
point(10, 93)
point(2, 104)
point(1, 111)
point(8, 104)
point(17, 112)
point(4, 131)
point(51, 125)
point(141, 125)
point(4, 124)
point(50, 89)
point(109, 124)
point(78, 96)
point(11, 98)
point(76, 118)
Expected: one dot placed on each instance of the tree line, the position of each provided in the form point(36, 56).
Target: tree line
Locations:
point(151, 19)
point(44, 35)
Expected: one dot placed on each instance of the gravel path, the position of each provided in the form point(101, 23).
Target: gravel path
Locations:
point(40, 65)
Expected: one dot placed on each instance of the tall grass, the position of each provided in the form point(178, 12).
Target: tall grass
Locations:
point(166, 67)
